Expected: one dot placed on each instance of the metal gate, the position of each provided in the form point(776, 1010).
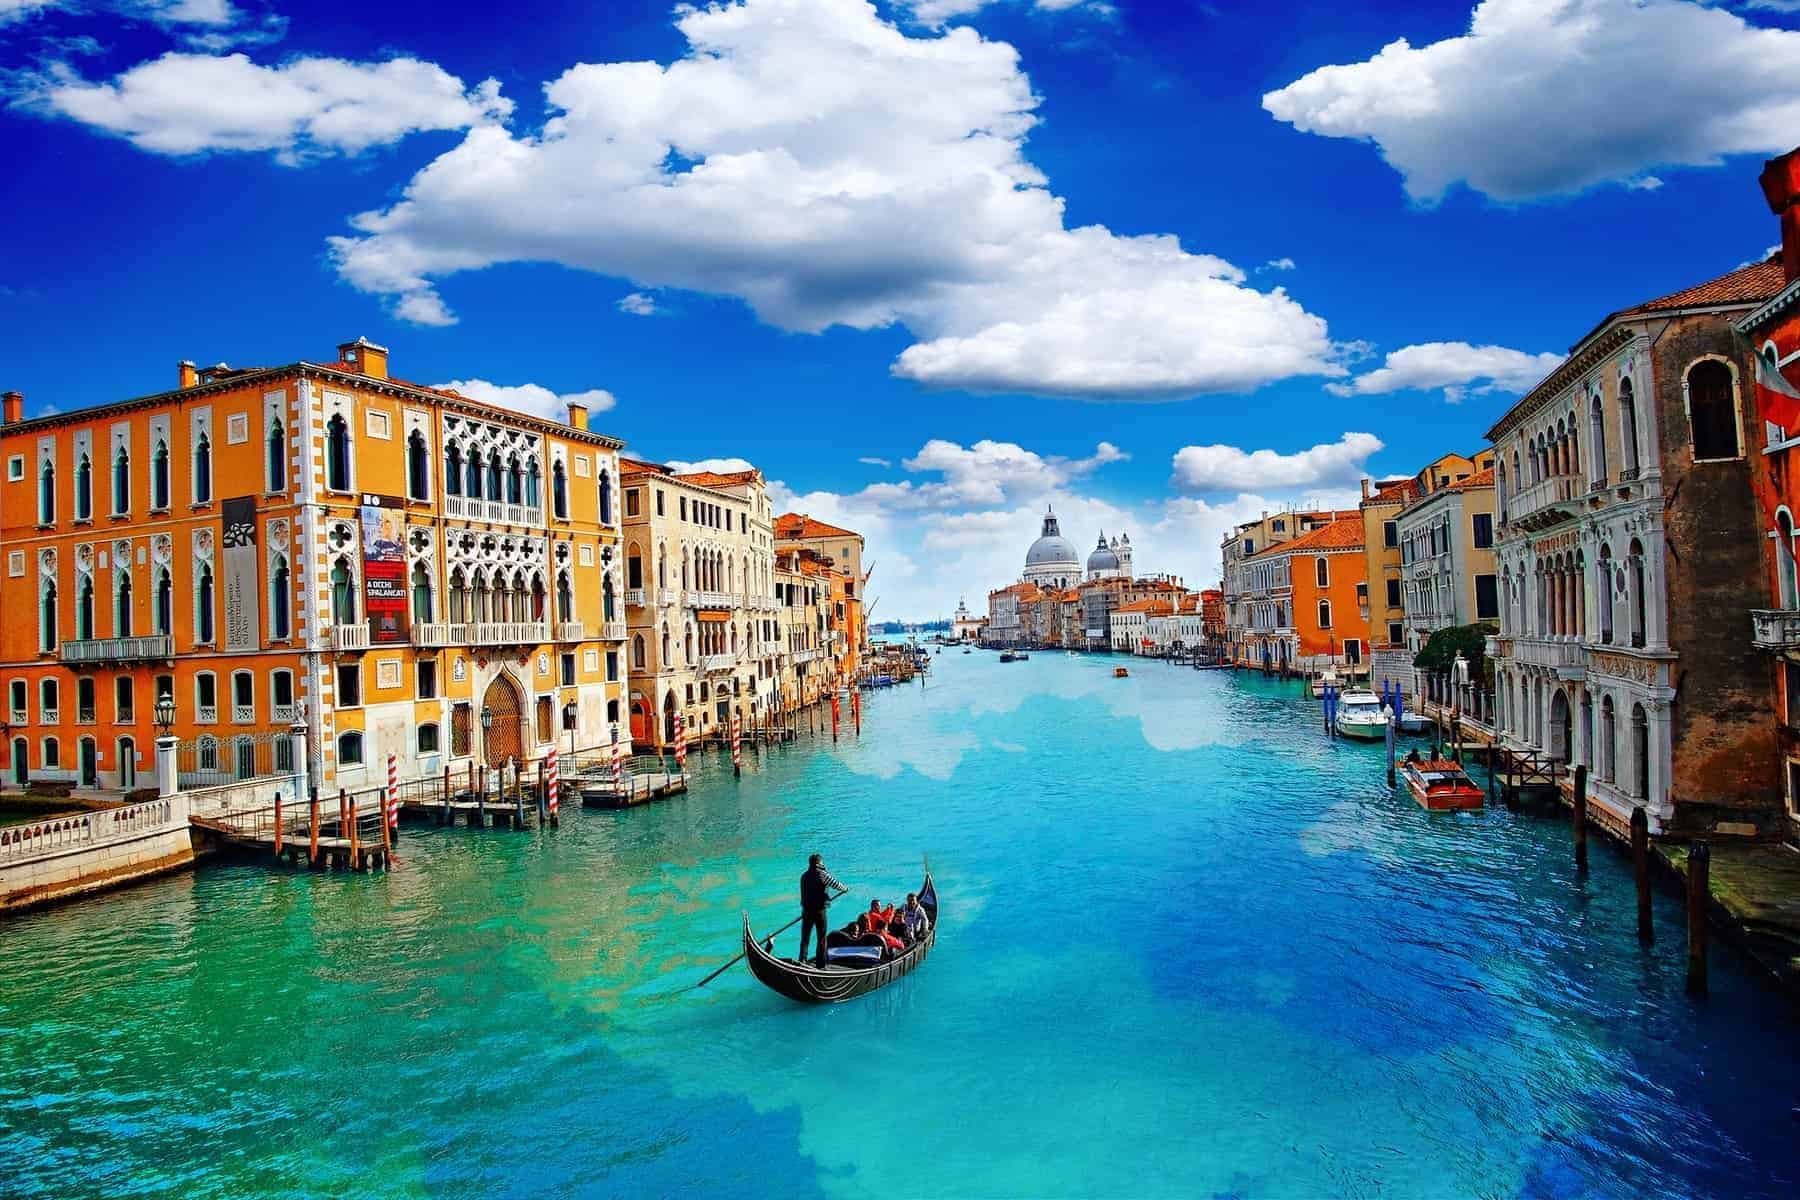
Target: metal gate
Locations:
point(500, 736)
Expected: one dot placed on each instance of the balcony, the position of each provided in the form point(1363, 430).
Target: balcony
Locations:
point(612, 631)
point(153, 647)
point(206, 714)
point(243, 714)
point(1775, 629)
point(709, 600)
point(286, 713)
point(431, 633)
point(571, 631)
point(1566, 657)
point(1547, 501)
point(510, 633)
point(348, 637)
point(711, 663)
point(496, 511)
point(634, 597)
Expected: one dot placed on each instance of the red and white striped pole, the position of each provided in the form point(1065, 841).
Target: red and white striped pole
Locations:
point(618, 765)
point(856, 711)
point(553, 783)
point(834, 712)
point(737, 758)
point(393, 793)
point(681, 742)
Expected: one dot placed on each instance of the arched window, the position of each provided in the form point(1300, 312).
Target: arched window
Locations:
point(608, 610)
point(203, 606)
point(277, 465)
point(418, 468)
point(606, 501)
point(515, 482)
point(1587, 728)
point(1712, 410)
point(1784, 559)
point(453, 466)
point(664, 662)
point(565, 598)
point(637, 652)
point(421, 594)
point(337, 453)
point(459, 603)
point(1628, 435)
point(165, 602)
point(280, 600)
point(1603, 593)
point(1324, 614)
point(84, 608)
point(559, 491)
point(121, 481)
point(1635, 582)
point(493, 475)
point(47, 493)
point(84, 489)
point(350, 749)
point(202, 470)
point(122, 604)
point(159, 475)
point(533, 486)
point(47, 631)
point(474, 474)
point(343, 597)
point(1640, 752)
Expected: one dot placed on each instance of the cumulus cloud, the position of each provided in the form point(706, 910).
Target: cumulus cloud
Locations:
point(1457, 367)
point(195, 103)
point(987, 472)
point(1549, 97)
point(638, 304)
point(828, 168)
point(1221, 468)
point(721, 466)
point(14, 10)
point(936, 12)
point(531, 398)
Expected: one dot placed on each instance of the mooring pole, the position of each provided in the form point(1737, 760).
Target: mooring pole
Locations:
point(312, 849)
point(1578, 816)
point(1640, 870)
point(1699, 897)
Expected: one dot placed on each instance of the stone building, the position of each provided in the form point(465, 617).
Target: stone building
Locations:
point(1447, 558)
point(1621, 481)
point(1255, 595)
point(1051, 562)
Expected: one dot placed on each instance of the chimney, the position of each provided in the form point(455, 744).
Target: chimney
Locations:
point(12, 407)
point(365, 358)
point(577, 415)
point(187, 374)
point(1366, 491)
point(1781, 188)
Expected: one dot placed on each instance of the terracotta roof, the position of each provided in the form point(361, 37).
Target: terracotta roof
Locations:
point(1395, 493)
point(1153, 607)
point(714, 479)
point(1746, 285)
point(794, 526)
point(1480, 479)
point(1339, 535)
point(637, 466)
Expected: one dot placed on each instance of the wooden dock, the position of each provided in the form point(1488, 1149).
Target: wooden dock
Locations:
point(324, 836)
point(643, 779)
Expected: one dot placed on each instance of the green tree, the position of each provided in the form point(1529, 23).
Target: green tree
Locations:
point(1439, 653)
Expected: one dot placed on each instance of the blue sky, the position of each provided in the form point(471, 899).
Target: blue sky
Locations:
point(930, 265)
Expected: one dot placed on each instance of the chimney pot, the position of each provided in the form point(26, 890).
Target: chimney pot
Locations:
point(186, 373)
point(578, 416)
point(12, 407)
point(1781, 188)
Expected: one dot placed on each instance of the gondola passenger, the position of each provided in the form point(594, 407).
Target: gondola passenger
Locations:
point(914, 919)
point(879, 916)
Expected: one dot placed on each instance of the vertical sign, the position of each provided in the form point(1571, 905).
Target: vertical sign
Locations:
point(243, 622)
point(384, 568)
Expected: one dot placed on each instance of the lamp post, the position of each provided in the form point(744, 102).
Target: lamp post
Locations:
point(164, 714)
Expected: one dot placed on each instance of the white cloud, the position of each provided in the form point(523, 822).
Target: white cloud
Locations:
point(818, 163)
point(16, 10)
point(1771, 252)
point(1453, 366)
point(194, 103)
point(871, 461)
point(531, 398)
point(721, 466)
point(987, 472)
point(1218, 468)
point(936, 12)
point(1277, 264)
point(1549, 97)
point(1646, 183)
point(638, 304)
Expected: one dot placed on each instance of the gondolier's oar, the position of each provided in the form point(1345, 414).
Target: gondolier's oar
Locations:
point(771, 936)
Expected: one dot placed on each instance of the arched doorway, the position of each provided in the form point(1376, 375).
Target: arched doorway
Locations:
point(90, 763)
point(502, 737)
point(643, 719)
point(1559, 725)
point(127, 763)
point(21, 771)
point(669, 718)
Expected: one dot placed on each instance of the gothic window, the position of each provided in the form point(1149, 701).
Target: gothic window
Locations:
point(533, 492)
point(1784, 559)
point(418, 470)
point(121, 481)
point(84, 608)
point(421, 594)
point(453, 467)
point(165, 602)
point(280, 622)
point(343, 598)
point(47, 493)
point(1628, 434)
point(606, 502)
point(559, 491)
point(84, 489)
point(202, 470)
point(277, 465)
point(159, 475)
point(122, 604)
point(1712, 410)
point(47, 631)
point(494, 475)
point(515, 482)
point(203, 605)
point(337, 453)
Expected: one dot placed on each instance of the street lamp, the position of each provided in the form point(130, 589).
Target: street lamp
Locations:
point(164, 714)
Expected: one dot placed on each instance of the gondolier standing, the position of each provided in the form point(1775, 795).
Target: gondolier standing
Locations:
point(816, 887)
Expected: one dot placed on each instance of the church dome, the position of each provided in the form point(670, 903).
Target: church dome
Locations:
point(1052, 553)
point(1102, 559)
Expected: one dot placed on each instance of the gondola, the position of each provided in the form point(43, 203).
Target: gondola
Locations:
point(833, 985)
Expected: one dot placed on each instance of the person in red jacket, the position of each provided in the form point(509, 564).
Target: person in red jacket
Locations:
point(878, 916)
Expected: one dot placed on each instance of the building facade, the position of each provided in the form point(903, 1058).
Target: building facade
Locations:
point(1447, 568)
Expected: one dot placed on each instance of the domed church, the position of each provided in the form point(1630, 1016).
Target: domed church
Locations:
point(1051, 562)
point(1110, 560)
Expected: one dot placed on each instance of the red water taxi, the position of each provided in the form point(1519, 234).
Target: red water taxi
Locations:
point(1439, 785)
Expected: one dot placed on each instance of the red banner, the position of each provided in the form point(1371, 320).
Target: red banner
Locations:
point(384, 569)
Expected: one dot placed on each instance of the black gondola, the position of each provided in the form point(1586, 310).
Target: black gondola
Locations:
point(832, 985)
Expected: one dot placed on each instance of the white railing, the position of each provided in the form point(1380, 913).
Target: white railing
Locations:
point(80, 830)
point(511, 633)
point(695, 599)
point(206, 714)
point(612, 631)
point(805, 656)
point(50, 717)
point(717, 662)
point(1555, 490)
point(1774, 628)
point(668, 597)
point(634, 597)
point(571, 631)
point(1554, 655)
point(456, 506)
point(349, 637)
point(123, 649)
point(243, 714)
point(431, 633)
point(285, 712)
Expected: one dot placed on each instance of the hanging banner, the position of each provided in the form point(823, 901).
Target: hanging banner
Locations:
point(384, 568)
point(243, 611)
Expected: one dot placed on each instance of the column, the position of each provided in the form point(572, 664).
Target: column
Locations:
point(168, 777)
point(297, 747)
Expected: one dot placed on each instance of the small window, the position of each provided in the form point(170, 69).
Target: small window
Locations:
point(49, 701)
point(612, 712)
point(1393, 593)
point(1712, 410)
point(1322, 571)
point(243, 696)
point(84, 702)
point(52, 753)
point(350, 749)
point(633, 500)
point(206, 697)
point(1396, 633)
point(683, 502)
point(1483, 530)
point(427, 679)
point(1390, 534)
point(659, 502)
point(612, 666)
point(124, 700)
point(1324, 614)
point(17, 692)
point(281, 693)
point(428, 739)
point(349, 685)
point(568, 670)
point(1487, 598)
point(15, 468)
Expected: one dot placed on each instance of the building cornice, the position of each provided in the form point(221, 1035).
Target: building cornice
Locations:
point(1783, 300)
point(1581, 360)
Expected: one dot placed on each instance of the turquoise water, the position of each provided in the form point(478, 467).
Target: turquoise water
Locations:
point(1189, 948)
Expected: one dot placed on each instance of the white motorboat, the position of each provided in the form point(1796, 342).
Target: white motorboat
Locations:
point(1361, 715)
point(1326, 679)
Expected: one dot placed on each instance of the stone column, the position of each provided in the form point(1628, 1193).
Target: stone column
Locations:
point(297, 747)
point(168, 776)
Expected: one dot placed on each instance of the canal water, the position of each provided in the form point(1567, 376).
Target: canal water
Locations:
point(1189, 948)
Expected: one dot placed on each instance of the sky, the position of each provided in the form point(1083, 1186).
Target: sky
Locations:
point(931, 265)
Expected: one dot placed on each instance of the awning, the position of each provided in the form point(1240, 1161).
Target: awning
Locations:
point(715, 617)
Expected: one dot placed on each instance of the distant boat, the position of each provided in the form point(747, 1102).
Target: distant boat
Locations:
point(1360, 715)
point(1008, 656)
point(1323, 680)
point(966, 650)
point(1120, 673)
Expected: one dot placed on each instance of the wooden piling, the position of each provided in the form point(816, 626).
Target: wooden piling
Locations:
point(1640, 870)
point(343, 808)
point(312, 849)
point(277, 824)
point(387, 841)
point(446, 818)
point(355, 856)
point(1578, 816)
point(543, 803)
point(1699, 899)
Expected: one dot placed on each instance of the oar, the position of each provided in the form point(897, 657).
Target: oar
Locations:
point(740, 954)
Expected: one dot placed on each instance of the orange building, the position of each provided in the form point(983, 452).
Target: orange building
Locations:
point(1317, 584)
point(842, 551)
point(315, 548)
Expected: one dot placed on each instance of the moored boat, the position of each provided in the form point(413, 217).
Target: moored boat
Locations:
point(1120, 673)
point(1323, 680)
point(1360, 715)
point(1441, 785)
point(838, 982)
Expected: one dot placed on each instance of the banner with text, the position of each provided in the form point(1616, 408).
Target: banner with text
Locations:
point(243, 611)
point(384, 568)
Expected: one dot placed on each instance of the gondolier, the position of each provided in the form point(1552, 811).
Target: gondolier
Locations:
point(816, 888)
